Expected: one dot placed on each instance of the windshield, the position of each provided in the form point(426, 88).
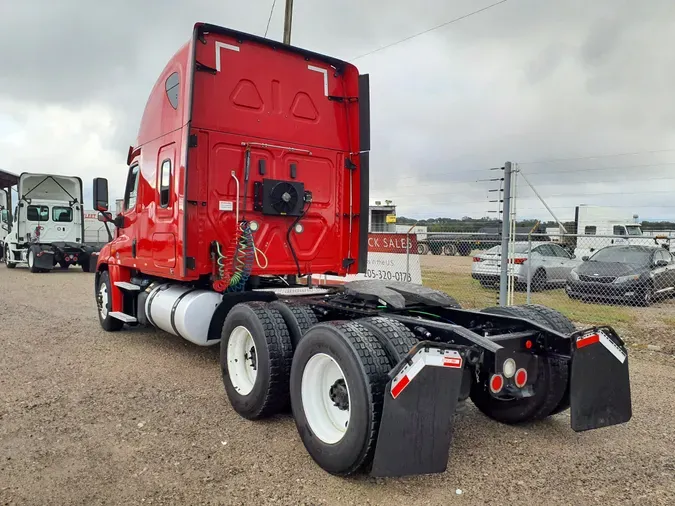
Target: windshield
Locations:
point(633, 230)
point(623, 255)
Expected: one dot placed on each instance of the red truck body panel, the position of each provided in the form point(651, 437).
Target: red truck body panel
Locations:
point(296, 112)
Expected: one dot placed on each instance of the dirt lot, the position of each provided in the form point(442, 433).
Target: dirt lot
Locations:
point(140, 417)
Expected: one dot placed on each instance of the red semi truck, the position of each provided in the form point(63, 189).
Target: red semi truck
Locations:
point(250, 170)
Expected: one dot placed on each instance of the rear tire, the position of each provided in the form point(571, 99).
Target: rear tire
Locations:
point(255, 358)
point(338, 367)
point(450, 250)
point(550, 385)
point(85, 263)
point(538, 281)
point(299, 319)
point(422, 249)
point(394, 337)
point(104, 303)
point(32, 258)
point(464, 249)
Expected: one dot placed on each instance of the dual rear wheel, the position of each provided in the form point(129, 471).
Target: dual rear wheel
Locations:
point(332, 374)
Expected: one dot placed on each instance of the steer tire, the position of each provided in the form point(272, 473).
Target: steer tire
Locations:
point(299, 319)
point(8, 254)
point(273, 356)
point(108, 323)
point(550, 385)
point(364, 365)
point(394, 337)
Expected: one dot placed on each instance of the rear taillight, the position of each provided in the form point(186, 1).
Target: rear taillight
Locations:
point(521, 378)
point(518, 260)
point(496, 383)
point(477, 259)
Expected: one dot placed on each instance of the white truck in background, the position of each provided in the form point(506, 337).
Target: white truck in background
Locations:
point(47, 228)
point(598, 227)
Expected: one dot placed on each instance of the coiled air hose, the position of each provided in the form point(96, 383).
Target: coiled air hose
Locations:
point(245, 252)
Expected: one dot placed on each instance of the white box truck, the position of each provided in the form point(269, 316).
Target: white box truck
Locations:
point(598, 227)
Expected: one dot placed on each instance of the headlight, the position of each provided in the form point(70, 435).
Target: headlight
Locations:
point(573, 275)
point(624, 279)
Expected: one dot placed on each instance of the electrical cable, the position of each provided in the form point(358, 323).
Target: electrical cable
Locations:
point(270, 18)
point(288, 237)
point(429, 30)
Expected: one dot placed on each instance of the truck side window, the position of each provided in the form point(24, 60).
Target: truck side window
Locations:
point(37, 213)
point(165, 184)
point(132, 188)
point(619, 230)
point(172, 89)
point(590, 230)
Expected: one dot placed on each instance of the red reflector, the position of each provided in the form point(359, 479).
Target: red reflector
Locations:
point(496, 383)
point(521, 378)
point(585, 341)
point(528, 344)
point(398, 388)
point(519, 260)
point(455, 362)
point(476, 259)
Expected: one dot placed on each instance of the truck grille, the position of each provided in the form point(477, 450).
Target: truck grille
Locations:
point(598, 279)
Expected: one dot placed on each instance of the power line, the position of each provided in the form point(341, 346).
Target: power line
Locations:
point(555, 160)
point(274, 2)
point(429, 30)
point(614, 167)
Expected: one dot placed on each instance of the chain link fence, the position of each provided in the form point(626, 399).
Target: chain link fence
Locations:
point(593, 279)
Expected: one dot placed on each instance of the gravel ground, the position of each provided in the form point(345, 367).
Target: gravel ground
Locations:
point(140, 417)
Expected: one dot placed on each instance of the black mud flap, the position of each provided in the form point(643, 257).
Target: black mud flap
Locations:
point(599, 383)
point(417, 418)
point(45, 260)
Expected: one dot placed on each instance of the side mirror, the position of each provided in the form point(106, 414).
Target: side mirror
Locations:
point(584, 259)
point(105, 216)
point(101, 194)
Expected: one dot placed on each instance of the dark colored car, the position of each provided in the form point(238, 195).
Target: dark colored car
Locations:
point(626, 273)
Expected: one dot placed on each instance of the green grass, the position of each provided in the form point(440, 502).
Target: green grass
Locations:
point(471, 295)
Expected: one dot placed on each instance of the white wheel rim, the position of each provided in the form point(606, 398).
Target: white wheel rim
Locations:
point(320, 379)
point(103, 294)
point(31, 258)
point(242, 360)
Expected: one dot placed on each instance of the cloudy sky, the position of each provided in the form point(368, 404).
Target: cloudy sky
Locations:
point(556, 83)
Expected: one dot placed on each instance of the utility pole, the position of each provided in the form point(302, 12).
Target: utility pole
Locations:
point(288, 19)
point(506, 231)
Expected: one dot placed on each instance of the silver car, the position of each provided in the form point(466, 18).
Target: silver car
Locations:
point(549, 265)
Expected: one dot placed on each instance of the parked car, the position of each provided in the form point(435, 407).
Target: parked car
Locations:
point(548, 265)
point(624, 273)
